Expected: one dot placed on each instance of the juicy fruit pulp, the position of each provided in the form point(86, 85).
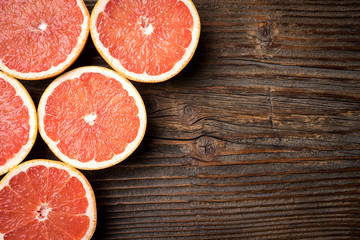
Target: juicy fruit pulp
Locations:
point(81, 118)
point(147, 37)
point(14, 122)
point(37, 36)
point(18, 123)
point(43, 199)
point(90, 117)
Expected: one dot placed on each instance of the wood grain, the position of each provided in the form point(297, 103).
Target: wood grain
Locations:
point(257, 138)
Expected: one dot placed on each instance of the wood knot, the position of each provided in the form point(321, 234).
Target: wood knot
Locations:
point(206, 147)
point(264, 33)
point(151, 105)
point(189, 115)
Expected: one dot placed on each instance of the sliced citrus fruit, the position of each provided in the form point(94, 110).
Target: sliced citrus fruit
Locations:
point(40, 39)
point(91, 117)
point(146, 41)
point(18, 123)
point(45, 199)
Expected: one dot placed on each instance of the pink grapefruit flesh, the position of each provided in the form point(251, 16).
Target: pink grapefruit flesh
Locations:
point(147, 41)
point(40, 39)
point(92, 117)
point(44, 199)
point(18, 123)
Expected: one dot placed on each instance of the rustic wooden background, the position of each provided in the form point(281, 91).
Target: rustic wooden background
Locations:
point(257, 138)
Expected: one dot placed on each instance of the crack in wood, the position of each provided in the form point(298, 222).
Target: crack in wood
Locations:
point(271, 114)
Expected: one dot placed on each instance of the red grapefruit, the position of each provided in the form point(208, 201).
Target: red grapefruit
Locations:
point(44, 199)
point(18, 123)
point(40, 39)
point(91, 117)
point(146, 41)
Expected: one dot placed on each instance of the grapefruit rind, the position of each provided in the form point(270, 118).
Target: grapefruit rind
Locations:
point(71, 58)
point(28, 102)
point(145, 78)
point(93, 165)
point(91, 212)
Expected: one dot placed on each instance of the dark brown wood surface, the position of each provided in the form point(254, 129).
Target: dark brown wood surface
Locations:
point(257, 138)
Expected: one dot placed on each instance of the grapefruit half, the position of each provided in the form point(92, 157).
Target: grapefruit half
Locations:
point(91, 117)
point(18, 123)
point(40, 39)
point(146, 41)
point(45, 199)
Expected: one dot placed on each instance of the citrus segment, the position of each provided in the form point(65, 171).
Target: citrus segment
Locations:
point(22, 185)
point(57, 233)
point(14, 220)
point(92, 117)
point(27, 231)
point(10, 200)
point(77, 206)
point(15, 117)
point(147, 41)
point(69, 192)
point(42, 229)
point(39, 176)
point(66, 223)
point(57, 179)
point(44, 39)
point(69, 214)
point(18, 123)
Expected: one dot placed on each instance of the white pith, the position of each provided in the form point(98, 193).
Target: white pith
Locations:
point(145, 25)
point(43, 211)
point(28, 102)
point(93, 164)
point(42, 26)
point(54, 70)
point(148, 29)
point(90, 212)
point(144, 77)
point(90, 118)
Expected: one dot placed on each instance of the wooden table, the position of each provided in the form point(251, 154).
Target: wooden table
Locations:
point(257, 138)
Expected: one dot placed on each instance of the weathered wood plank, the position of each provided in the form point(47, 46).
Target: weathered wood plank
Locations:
point(257, 138)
